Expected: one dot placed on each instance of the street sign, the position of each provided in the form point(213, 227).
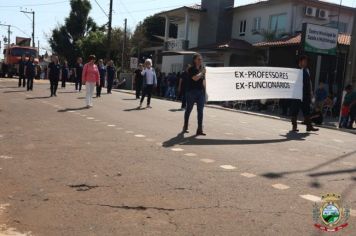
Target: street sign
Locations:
point(133, 62)
point(320, 39)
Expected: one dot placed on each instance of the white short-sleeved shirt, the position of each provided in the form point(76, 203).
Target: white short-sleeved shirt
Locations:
point(149, 75)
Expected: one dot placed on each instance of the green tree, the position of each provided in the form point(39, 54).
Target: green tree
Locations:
point(145, 32)
point(65, 39)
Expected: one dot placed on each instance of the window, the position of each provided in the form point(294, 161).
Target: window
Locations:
point(242, 28)
point(278, 23)
point(257, 24)
point(342, 26)
point(18, 52)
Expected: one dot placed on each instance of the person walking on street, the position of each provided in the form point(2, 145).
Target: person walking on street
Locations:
point(182, 87)
point(195, 93)
point(305, 103)
point(138, 80)
point(22, 77)
point(102, 73)
point(90, 78)
point(30, 72)
point(149, 82)
point(65, 73)
point(54, 73)
point(78, 74)
point(111, 75)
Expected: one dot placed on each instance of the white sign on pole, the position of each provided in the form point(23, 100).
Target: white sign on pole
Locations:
point(133, 62)
point(320, 39)
point(251, 83)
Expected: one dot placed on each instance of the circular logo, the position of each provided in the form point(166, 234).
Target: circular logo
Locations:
point(331, 214)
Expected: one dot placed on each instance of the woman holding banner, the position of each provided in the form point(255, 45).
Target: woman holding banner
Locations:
point(305, 103)
point(195, 92)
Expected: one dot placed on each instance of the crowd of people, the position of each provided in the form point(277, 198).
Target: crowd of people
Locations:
point(187, 86)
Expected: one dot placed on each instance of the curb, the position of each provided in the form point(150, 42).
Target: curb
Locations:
point(249, 113)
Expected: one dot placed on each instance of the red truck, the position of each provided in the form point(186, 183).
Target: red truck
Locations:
point(12, 56)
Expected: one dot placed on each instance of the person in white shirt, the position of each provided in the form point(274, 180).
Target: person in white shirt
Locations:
point(149, 82)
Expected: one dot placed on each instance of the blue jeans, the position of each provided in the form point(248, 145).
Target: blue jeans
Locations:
point(171, 92)
point(198, 97)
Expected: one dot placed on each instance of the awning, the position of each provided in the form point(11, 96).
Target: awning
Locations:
point(344, 39)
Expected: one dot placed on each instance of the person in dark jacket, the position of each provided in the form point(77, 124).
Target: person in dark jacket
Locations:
point(78, 74)
point(305, 103)
point(65, 73)
point(54, 73)
point(182, 87)
point(138, 81)
point(30, 72)
point(195, 91)
point(22, 77)
point(111, 74)
point(102, 73)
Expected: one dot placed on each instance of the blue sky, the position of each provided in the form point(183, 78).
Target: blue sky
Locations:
point(48, 16)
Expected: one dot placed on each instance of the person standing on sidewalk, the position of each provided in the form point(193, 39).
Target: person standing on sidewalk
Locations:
point(111, 75)
point(65, 73)
point(195, 93)
point(78, 71)
point(102, 73)
point(305, 103)
point(54, 73)
point(149, 82)
point(90, 78)
point(138, 80)
point(30, 72)
point(22, 77)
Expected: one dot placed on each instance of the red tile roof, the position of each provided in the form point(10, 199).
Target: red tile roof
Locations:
point(344, 39)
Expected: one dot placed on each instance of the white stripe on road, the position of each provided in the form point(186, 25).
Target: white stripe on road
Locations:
point(5, 157)
point(293, 149)
point(140, 136)
point(248, 175)
point(229, 134)
point(310, 197)
point(207, 160)
point(177, 149)
point(90, 118)
point(228, 167)
point(280, 186)
point(111, 125)
point(97, 120)
point(338, 141)
point(71, 111)
point(129, 132)
point(190, 154)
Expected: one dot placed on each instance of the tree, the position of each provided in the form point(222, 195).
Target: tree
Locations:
point(65, 39)
point(145, 32)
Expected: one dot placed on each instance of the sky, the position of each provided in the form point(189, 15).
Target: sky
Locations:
point(50, 13)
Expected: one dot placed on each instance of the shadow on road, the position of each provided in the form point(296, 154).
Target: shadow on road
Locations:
point(11, 87)
point(315, 183)
point(135, 109)
point(176, 110)
point(73, 109)
point(33, 98)
point(192, 140)
point(129, 99)
point(68, 92)
point(14, 91)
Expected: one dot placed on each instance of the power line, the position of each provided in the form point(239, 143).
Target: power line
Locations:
point(101, 8)
point(34, 5)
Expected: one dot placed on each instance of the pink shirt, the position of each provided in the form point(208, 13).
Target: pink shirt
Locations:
point(90, 73)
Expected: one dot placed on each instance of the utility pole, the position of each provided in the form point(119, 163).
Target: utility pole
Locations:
point(123, 47)
point(351, 61)
point(8, 38)
point(33, 25)
point(109, 31)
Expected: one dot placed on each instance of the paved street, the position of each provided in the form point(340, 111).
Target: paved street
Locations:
point(115, 170)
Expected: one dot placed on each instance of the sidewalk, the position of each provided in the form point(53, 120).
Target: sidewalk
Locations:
point(329, 122)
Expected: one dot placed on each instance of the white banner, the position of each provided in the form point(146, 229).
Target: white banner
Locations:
point(251, 83)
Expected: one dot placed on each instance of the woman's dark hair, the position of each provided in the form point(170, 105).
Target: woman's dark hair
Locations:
point(31, 57)
point(348, 87)
point(195, 56)
point(91, 57)
point(302, 58)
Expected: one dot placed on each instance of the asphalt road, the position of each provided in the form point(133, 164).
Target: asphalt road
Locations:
point(115, 170)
